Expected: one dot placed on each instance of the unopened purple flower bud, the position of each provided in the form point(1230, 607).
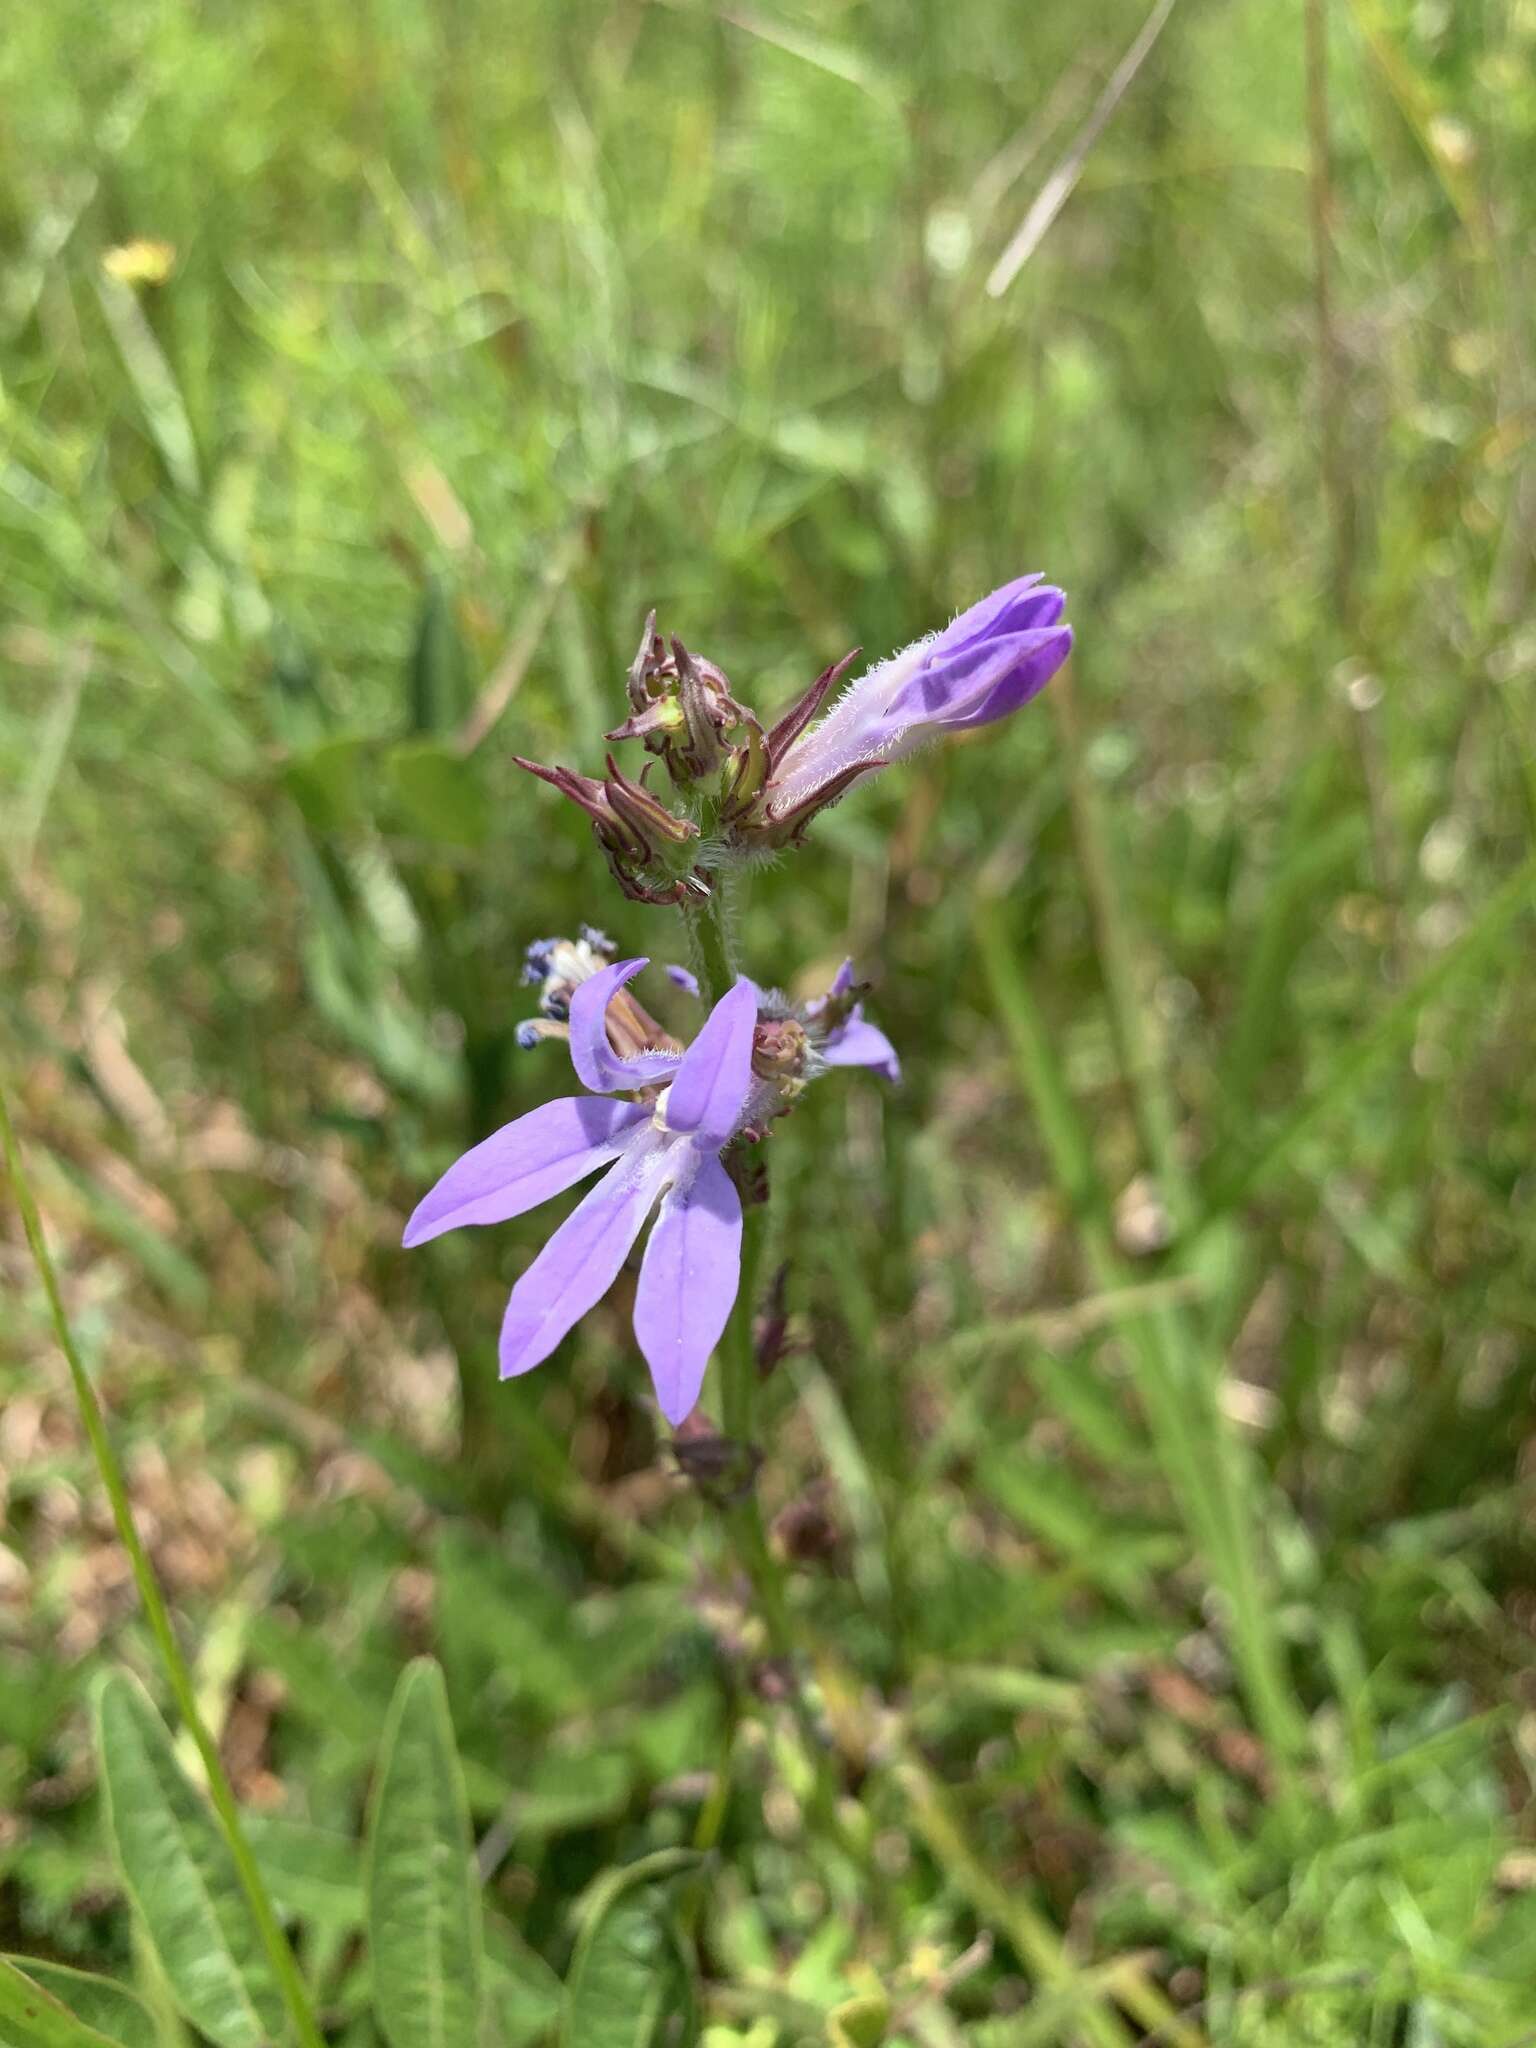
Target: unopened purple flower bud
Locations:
point(991, 661)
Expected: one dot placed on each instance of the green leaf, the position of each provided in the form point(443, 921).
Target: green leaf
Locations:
point(424, 1933)
point(180, 1875)
point(313, 1874)
point(631, 1977)
point(32, 2018)
point(328, 783)
point(437, 794)
point(99, 2002)
point(522, 1993)
point(565, 1792)
point(859, 2022)
point(438, 682)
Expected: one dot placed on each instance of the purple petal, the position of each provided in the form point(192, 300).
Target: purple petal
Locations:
point(858, 1044)
point(581, 1261)
point(681, 978)
point(1024, 681)
point(716, 1071)
point(955, 690)
point(1017, 607)
point(688, 1282)
point(524, 1163)
point(597, 1065)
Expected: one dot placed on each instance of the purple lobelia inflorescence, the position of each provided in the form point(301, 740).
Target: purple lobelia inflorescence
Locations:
point(749, 788)
point(677, 1130)
point(659, 1118)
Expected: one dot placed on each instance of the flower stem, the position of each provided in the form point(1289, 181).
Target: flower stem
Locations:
point(285, 1969)
point(710, 928)
point(713, 954)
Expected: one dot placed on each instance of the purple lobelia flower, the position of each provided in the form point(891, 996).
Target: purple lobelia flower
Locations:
point(661, 1153)
point(835, 1030)
point(989, 662)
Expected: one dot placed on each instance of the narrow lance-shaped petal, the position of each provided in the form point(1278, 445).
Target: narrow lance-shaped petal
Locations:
point(526, 1162)
point(597, 1065)
point(582, 1260)
point(715, 1073)
point(857, 1043)
point(688, 1282)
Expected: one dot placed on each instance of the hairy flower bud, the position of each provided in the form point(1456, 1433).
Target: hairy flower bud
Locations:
point(635, 829)
point(992, 660)
point(779, 1048)
point(681, 706)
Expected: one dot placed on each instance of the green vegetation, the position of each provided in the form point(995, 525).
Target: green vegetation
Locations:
point(1148, 1473)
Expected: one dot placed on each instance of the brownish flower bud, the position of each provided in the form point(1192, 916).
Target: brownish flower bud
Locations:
point(753, 811)
point(680, 706)
point(634, 829)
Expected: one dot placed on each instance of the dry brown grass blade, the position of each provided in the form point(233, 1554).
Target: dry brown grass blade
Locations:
point(1058, 187)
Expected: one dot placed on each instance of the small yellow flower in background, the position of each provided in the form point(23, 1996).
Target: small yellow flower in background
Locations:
point(141, 261)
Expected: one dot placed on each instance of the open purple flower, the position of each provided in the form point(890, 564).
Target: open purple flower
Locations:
point(664, 1151)
point(992, 660)
point(839, 1035)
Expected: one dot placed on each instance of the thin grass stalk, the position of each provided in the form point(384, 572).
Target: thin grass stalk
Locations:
point(1392, 1029)
point(1175, 1374)
point(178, 1677)
point(749, 1538)
point(1330, 364)
point(1141, 1061)
point(1038, 1946)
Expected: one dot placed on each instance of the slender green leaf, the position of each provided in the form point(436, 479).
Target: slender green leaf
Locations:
point(522, 1993)
point(439, 796)
point(438, 679)
point(33, 2018)
point(424, 1930)
point(154, 385)
point(180, 1875)
point(98, 2002)
point(631, 1976)
point(312, 1873)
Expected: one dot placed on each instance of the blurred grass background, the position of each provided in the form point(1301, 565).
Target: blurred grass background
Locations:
point(1151, 1467)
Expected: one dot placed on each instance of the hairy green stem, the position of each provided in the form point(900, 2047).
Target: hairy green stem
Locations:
point(178, 1677)
point(710, 930)
point(714, 953)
